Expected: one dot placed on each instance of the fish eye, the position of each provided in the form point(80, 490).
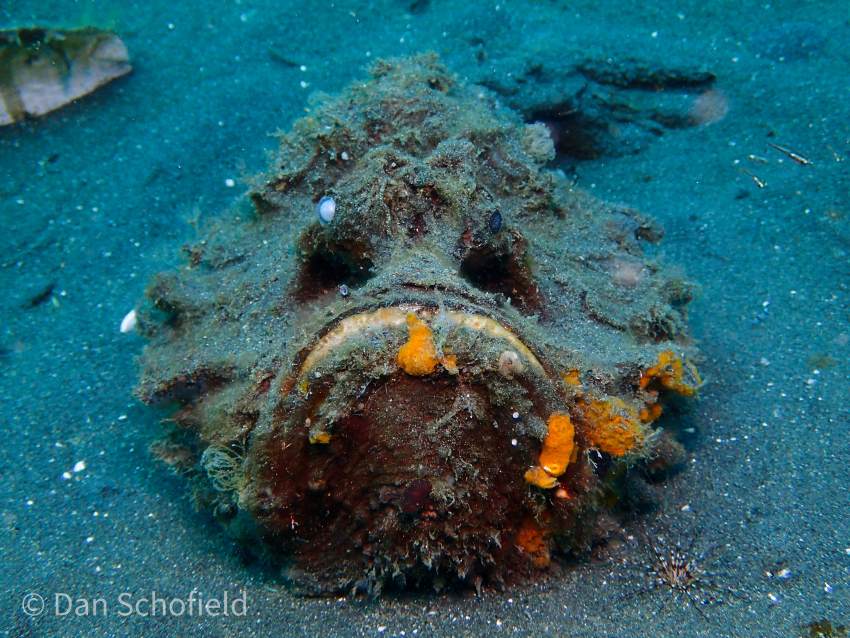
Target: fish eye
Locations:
point(504, 269)
point(331, 269)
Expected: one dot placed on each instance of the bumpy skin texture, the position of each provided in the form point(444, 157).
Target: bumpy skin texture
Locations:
point(398, 434)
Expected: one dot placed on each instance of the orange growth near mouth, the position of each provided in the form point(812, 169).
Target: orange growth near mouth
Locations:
point(418, 356)
point(558, 451)
point(539, 477)
point(558, 445)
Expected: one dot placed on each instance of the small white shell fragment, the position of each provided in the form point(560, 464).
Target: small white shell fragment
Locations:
point(128, 323)
point(344, 156)
point(326, 209)
point(79, 466)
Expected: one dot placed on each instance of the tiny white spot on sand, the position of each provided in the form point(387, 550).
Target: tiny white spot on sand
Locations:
point(79, 466)
point(230, 182)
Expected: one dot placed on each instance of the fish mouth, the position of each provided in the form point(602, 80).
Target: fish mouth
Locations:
point(372, 454)
point(364, 343)
point(391, 318)
point(447, 307)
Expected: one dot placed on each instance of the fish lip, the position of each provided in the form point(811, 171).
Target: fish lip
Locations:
point(451, 301)
point(420, 296)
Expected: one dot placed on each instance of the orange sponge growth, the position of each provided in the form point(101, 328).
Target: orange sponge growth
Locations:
point(672, 373)
point(650, 412)
point(612, 425)
point(558, 445)
point(321, 438)
point(418, 356)
point(531, 539)
point(558, 450)
point(538, 477)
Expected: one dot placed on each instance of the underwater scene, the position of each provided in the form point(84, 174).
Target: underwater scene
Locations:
point(425, 318)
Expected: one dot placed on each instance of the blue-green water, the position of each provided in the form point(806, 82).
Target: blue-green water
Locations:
point(99, 196)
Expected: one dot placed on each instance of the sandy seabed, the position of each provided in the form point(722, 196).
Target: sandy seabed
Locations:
point(99, 196)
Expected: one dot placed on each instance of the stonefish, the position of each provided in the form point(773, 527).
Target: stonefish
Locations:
point(413, 355)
